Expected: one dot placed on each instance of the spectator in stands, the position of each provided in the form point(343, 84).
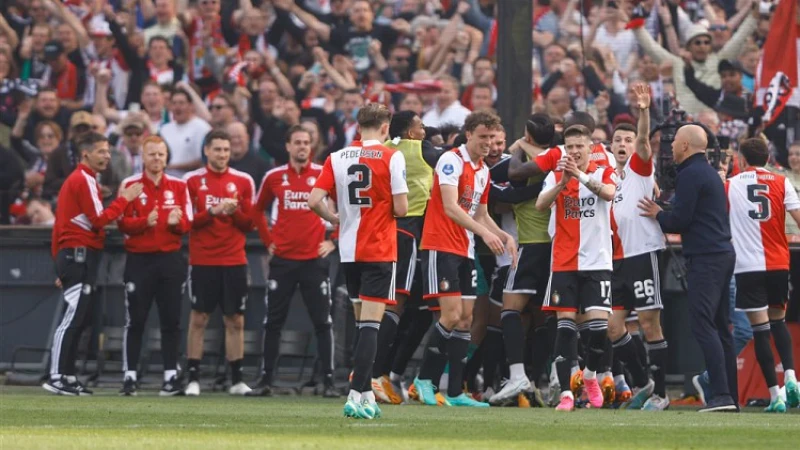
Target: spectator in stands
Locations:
point(39, 212)
point(481, 97)
point(184, 134)
point(12, 179)
point(223, 110)
point(167, 24)
point(47, 107)
point(242, 158)
point(447, 108)
point(47, 137)
point(133, 131)
point(63, 76)
point(66, 158)
point(703, 59)
point(31, 51)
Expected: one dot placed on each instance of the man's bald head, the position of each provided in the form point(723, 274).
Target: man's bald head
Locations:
point(689, 140)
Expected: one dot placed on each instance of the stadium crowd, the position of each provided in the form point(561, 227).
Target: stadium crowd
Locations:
point(282, 81)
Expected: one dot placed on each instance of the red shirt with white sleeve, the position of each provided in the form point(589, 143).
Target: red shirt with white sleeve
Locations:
point(582, 229)
point(441, 233)
point(635, 234)
point(364, 177)
point(758, 200)
point(219, 240)
point(80, 216)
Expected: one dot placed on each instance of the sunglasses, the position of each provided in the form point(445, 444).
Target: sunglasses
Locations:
point(718, 28)
point(702, 42)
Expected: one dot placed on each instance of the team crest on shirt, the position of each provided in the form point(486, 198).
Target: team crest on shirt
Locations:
point(444, 285)
point(311, 181)
point(169, 198)
point(555, 298)
point(203, 186)
point(231, 188)
point(285, 179)
point(143, 198)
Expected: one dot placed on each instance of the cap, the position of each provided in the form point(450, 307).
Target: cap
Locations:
point(52, 50)
point(729, 64)
point(733, 106)
point(133, 120)
point(80, 118)
point(98, 27)
point(695, 31)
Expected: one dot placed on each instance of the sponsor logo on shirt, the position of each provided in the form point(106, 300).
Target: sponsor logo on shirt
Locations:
point(448, 169)
point(295, 201)
point(579, 208)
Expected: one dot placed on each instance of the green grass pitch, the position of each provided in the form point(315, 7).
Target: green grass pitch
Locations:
point(31, 418)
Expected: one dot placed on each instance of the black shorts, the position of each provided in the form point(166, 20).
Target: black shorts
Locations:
point(757, 291)
point(498, 283)
point(579, 291)
point(636, 284)
point(532, 272)
point(447, 274)
point(407, 245)
point(484, 267)
point(370, 281)
point(226, 286)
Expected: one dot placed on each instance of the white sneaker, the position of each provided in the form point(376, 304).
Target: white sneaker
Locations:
point(192, 389)
point(239, 389)
point(487, 394)
point(656, 403)
point(510, 390)
point(380, 394)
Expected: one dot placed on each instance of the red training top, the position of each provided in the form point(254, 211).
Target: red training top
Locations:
point(170, 193)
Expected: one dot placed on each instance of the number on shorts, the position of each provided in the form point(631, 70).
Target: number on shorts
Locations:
point(605, 289)
point(644, 289)
point(474, 278)
point(757, 194)
point(362, 182)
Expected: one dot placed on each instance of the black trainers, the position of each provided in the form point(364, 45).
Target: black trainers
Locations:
point(81, 389)
point(60, 386)
point(262, 389)
point(128, 387)
point(720, 403)
point(171, 388)
point(330, 391)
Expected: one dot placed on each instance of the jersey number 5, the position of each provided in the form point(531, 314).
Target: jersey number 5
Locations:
point(757, 194)
point(362, 181)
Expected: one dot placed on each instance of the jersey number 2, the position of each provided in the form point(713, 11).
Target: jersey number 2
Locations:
point(757, 194)
point(362, 181)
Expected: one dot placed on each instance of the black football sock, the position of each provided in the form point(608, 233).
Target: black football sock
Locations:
point(457, 347)
point(566, 349)
point(193, 368)
point(492, 354)
point(626, 349)
point(413, 338)
point(473, 366)
point(641, 351)
point(435, 356)
point(783, 343)
point(236, 371)
point(513, 335)
point(386, 337)
point(598, 332)
point(764, 353)
point(365, 356)
point(657, 354)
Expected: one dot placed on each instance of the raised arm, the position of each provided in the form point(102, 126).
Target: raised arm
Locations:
point(734, 46)
point(323, 30)
point(643, 125)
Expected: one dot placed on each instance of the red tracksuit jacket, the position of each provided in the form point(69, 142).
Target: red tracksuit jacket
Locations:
point(80, 216)
point(296, 230)
point(169, 194)
point(219, 240)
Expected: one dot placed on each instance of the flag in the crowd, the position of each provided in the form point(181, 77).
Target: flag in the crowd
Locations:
point(776, 78)
point(415, 87)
